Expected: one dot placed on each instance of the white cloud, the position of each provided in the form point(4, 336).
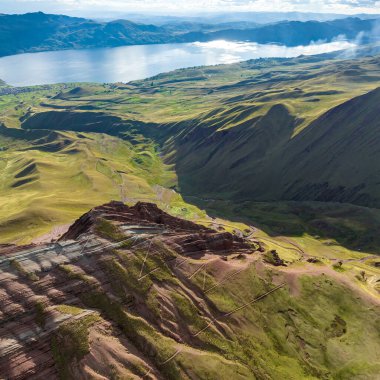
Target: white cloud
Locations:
point(336, 6)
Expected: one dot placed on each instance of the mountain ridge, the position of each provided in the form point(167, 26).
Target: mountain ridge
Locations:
point(295, 33)
point(35, 32)
point(163, 298)
point(249, 151)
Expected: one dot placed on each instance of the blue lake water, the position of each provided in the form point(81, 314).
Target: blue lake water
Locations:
point(123, 64)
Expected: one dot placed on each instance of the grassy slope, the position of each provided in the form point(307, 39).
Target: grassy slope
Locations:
point(216, 116)
point(313, 328)
point(220, 122)
point(270, 139)
point(51, 180)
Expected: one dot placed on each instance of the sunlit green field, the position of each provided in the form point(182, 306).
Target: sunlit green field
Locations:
point(50, 183)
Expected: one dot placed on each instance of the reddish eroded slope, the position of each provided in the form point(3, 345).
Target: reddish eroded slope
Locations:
point(108, 266)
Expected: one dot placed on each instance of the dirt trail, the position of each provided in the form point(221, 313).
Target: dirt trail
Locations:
point(294, 248)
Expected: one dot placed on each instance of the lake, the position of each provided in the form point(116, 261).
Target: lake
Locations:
point(126, 63)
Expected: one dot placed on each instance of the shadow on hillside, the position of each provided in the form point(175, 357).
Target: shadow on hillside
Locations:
point(350, 226)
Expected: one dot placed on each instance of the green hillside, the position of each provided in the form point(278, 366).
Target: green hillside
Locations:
point(271, 131)
point(281, 153)
point(49, 178)
point(330, 159)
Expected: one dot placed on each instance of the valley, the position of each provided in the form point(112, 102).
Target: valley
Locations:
point(243, 235)
point(257, 117)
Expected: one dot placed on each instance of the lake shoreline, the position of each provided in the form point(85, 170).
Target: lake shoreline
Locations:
point(138, 62)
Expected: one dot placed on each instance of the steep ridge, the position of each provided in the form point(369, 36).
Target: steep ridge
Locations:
point(37, 282)
point(134, 292)
point(260, 159)
point(224, 155)
point(335, 159)
point(145, 213)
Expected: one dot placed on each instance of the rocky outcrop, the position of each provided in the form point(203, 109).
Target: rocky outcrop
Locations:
point(273, 258)
point(146, 218)
point(141, 213)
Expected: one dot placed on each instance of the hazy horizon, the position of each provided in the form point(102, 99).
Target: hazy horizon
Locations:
point(96, 8)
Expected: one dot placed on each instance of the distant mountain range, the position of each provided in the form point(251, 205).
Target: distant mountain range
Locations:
point(230, 17)
point(293, 33)
point(33, 32)
point(40, 32)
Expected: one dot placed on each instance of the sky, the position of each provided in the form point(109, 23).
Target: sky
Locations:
point(92, 7)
